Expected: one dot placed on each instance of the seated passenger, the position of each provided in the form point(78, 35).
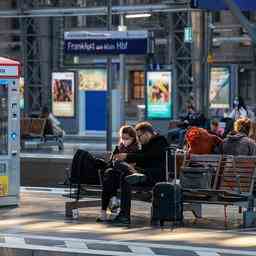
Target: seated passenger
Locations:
point(52, 123)
point(238, 142)
point(128, 143)
point(150, 159)
point(199, 141)
point(191, 118)
point(215, 128)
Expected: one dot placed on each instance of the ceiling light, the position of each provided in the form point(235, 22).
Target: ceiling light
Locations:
point(137, 15)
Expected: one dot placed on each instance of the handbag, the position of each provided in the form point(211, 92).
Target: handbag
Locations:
point(196, 177)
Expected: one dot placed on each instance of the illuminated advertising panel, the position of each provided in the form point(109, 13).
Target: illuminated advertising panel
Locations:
point(63, 94)
point(21, 92)
point(93, 80)
point(219, 92)
point(158, 94)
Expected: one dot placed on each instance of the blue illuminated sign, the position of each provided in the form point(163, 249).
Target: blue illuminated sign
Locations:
point(106, 46)
point(13, 136)
point(106, 42)
point(218, 5)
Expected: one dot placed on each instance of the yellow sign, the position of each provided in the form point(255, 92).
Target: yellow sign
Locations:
point(4, 185)
point(210, 58)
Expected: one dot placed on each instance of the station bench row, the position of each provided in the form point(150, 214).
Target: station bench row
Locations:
point(33, 130)
point(233, 183)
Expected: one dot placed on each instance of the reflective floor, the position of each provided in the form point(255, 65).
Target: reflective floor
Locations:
point(39, 227)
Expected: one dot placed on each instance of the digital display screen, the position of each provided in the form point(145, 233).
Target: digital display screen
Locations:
point(21, 92)
point(93, 80)
point(219, 92)
point(158, 94)
point(63, 94)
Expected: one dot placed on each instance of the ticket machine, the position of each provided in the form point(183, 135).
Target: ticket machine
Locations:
point(9, 132)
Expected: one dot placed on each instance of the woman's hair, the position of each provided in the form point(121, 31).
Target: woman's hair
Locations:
point(242, 125)
point(241, 103)
point(127, 129)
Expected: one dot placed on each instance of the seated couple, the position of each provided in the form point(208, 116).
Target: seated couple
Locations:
point(129, 161)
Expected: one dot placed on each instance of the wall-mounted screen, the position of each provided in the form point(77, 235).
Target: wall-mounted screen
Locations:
point(63, 94)
point(159, 91)
point(93, 80)
point(219, 92)
point(21, 92)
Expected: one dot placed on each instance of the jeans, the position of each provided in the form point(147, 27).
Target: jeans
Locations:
point(112, 180)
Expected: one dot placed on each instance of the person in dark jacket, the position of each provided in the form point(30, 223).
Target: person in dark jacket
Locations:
point(150, 159)
point(238, 142)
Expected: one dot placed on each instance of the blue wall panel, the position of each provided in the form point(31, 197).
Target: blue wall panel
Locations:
point(95, 110)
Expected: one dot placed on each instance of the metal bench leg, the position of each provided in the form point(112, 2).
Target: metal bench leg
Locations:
point(225, 216)
point(197, 210)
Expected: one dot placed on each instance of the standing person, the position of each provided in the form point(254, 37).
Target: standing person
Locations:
point(128, 143)
point(151, 158)
point(238, 142)
point(240, 110)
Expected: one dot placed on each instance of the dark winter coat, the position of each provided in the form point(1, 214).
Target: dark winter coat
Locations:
point(151, 158)
point(238, 144)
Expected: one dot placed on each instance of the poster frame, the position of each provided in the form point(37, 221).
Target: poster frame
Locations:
point(91, 68)
point(230, 86)
point(74, 94)
point(146, 95)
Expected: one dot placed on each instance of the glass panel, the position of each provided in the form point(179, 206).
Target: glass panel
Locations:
point(3, 119)
point(137, 81)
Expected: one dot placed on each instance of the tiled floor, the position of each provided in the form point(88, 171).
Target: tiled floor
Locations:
point(39, 225)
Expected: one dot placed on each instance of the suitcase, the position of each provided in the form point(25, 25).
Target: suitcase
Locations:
point(167, 203)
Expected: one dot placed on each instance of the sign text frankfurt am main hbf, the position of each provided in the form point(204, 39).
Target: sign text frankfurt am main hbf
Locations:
point(106, 42)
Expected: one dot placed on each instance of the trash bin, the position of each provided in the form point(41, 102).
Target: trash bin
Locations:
point(141, 112)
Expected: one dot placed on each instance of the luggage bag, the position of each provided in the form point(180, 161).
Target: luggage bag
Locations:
point(167, 203)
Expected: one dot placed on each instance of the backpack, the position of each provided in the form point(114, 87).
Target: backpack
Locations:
point(84, 169)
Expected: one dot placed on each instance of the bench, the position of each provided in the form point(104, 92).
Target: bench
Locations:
point(138, 193)
point(33, 131)
point(233, 184)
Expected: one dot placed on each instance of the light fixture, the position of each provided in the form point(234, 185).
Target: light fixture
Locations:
point(137, 15)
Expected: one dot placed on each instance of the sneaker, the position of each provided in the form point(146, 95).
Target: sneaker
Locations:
point(136, 178)
point(103, 217)
point(120, 220)
point(114, 205)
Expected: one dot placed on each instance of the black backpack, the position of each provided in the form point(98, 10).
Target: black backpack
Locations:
point(83, 169)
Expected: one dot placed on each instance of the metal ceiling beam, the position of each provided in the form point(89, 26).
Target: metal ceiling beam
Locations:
point(92, 11)
point(236, 11)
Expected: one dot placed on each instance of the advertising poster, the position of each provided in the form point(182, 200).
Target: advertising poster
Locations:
point(219, 92)
point(93, 80)
point(21, 92)
point(159, 86)
point(63, 94)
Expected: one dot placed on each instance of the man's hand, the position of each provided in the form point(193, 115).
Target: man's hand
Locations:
point(120, 157)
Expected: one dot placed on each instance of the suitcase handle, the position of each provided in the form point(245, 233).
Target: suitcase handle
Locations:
point(169, 150)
